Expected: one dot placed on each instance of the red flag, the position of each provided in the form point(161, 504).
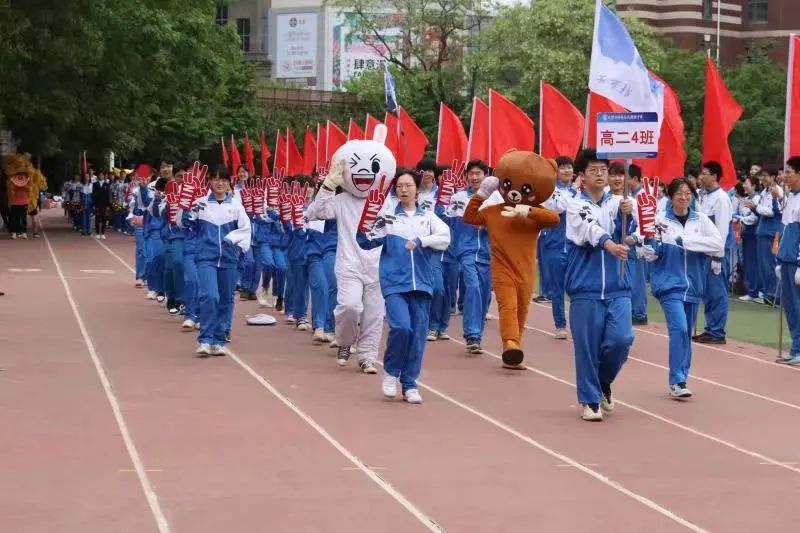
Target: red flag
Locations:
point(335, 139)
point(478, 143)
point(792, 133)
point(451, 144)
point(392, 135)
point(248, 156)
point(560, 124)
point(354, 132)
point(84, 164)
point(322, 146)
point(236, 159)
point(412, 140)
point(720, 114)
point(309, 153)
point(225, 159)
point(671, 155)
point(265, 153)
point(597, 104)
point(294, 164)
point(279, 161)
point(371, 123)
point(509, 127)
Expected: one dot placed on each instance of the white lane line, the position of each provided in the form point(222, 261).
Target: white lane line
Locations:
point(708, 347)
point(147, 487)
point(696, 377)
point(428, 522)
point(717, 440)
point(566, 460)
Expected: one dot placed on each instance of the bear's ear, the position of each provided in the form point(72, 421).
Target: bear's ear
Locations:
point(553, 164)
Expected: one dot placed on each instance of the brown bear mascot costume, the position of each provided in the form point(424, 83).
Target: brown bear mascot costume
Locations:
point(525, 180)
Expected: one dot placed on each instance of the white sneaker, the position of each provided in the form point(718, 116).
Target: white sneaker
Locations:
point(607, 404)
point(332, 339)
point(367, 367)
point(303, 326)
point(103, 237)
point(151, 295)
point(160, 299)
point(412, 396)
point(590, 415)
point(389, 386)
point(319, 335)
point(746, 298)
point(290, 320)
point(561, 334)
point(203, 349)
point(443, 336)
point(173, 311)
point(188, 325)
point(197, 326)
point(679, 392)
point(24, 236)
point(758, 300)
point(432, 336)
point(13, 236)
point(96, 236)
point(270, 299)
point(218, 350)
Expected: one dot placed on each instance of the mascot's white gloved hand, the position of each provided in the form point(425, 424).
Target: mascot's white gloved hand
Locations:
point(716, 266)
point(335, 177)
point(778, 272)
point(488, 186)
point(520, 210)
point(649, 253)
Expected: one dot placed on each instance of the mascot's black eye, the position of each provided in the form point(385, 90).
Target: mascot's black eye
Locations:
point(526, 189)
point(506, 184)
point(376, 166)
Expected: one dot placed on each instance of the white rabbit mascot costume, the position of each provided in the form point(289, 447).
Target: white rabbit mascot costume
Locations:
point(356, 167)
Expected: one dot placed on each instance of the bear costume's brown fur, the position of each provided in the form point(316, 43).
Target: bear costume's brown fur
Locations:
point(525, 179)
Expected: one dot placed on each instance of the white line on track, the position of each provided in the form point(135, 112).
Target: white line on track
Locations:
point(566, 460)
point(428, 522)
point(708, 347)
point(694, 376)
point(717, 440)
point(147, 487)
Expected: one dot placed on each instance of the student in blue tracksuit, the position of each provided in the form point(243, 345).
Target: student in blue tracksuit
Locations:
point(716, 204)
point(278, 240)
point(788, 269)
point(191, 313)
point(600, 294)
point(173, 237)
point(153, 224)
point(262, 253)
point(410, 236)
point(680, 255)
point(222, 231)
point(297, 275)
point(136, 210)
point(322, 238)
point(769, 212)
point(748, 219)
point(636, 264)
point(86, 205)
point(553, 259)
point(471, 249)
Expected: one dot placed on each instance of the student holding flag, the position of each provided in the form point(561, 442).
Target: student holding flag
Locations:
point(788, 269)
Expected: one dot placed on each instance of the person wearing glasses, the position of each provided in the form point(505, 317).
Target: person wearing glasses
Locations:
point(597, 284)
point(716, 204)
point(679, 255)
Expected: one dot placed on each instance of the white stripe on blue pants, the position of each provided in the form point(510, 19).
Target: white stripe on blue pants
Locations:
point(407, 314)
point(215, 299)
point(680, 317)
point(790, 296)
point(602, 333)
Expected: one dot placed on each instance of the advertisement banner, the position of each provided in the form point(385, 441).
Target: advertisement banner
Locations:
point(296, 48)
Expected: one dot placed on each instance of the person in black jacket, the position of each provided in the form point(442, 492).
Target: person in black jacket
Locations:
point(101, 201)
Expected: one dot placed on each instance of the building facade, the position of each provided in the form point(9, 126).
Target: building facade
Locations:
point(743, 24)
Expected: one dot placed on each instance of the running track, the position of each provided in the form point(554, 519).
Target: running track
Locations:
point(110, 424)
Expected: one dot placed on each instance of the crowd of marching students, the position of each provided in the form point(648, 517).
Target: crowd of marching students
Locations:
point(199, 241)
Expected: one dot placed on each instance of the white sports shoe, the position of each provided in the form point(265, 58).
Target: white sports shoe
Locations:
point(319, 335)
point(13, 236)
point(203, 349)
point(331, 337)
point(103, 236)
point(389, 386)
point(24, 236)
point(432, 336)
point(412, 396)
point(679, 391)
point(160, 299)
point(367, 367)
point(151, 295)
point(96, 236)
point(561, 334)
point(591, 415)
point(290, 320)
point(188, 325)
point(607, 404)
point(218, 350)
point(746, 298)
point(303, 326)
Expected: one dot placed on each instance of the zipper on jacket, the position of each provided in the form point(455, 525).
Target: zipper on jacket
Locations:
point(219, 241)
point(603, 273)
point(685, 273)
point(413, 276)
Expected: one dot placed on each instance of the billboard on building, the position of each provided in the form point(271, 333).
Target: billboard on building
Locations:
point(352, 55)
point(296, 45)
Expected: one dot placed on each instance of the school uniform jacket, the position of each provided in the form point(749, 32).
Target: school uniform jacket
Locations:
point(221, 231)
point(769, 213)
point(789, 247)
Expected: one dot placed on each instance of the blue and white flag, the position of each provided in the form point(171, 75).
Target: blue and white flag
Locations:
point(617, 70)
point(391, 95)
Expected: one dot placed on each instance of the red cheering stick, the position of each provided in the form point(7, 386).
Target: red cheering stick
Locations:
point(188, 191)
point(274, 189)
point(247, 198)
point(258, 197)
point(322, 173)
point(459, 173)
point(172, 196)
point(284, 203)
point(373, 205)
point(447, 188)
point(648, 205)
point(298, 200)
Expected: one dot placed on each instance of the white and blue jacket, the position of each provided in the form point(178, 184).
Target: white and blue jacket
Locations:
point(468, 241)
point(402, 270)
point(593, 273)
point(680, 255)
point(789, 247)
point(769, 213)
point(746, 216)
point(221, 230)
point(716, 205)
point(556, 238)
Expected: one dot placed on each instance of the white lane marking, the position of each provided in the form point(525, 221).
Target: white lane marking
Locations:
point(727, 444)
point(696, 377)
point(708, 347)
point(24, 269)
point(566, 460)
point(770, 464)
point(98, 271)
point(357, 463)
point(147, 487)
point(428, 522)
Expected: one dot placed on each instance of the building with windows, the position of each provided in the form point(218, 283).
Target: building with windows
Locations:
point(743, 24)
